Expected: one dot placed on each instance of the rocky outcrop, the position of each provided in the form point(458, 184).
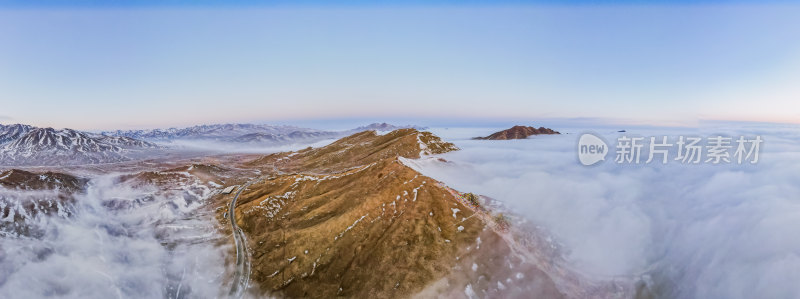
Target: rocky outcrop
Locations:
point(518, 132)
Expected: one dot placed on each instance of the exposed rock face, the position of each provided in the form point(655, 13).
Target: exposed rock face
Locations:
point(518, 132)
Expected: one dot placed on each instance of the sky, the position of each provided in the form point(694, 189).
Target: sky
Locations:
point(145, 64)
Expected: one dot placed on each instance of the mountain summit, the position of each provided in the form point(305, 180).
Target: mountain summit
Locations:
point(322, 222)
point(518, 132)
point(385, 127)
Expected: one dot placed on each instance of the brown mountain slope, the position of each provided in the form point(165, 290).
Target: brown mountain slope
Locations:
point(349, 211)
point(381, 230)
point(25, 180)
point(27, 197)
point(209, 174)
point(352, 220)
point(356, 150)
point(518, 132)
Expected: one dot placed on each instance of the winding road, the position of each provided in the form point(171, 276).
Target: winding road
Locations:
point(241, 277)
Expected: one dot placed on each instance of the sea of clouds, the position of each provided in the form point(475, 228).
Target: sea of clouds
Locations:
point(695, 231)
point(121, 242)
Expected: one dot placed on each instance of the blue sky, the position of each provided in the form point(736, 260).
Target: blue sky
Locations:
point(95, 65)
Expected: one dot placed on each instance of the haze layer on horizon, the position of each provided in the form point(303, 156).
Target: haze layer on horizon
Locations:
point(92, 66)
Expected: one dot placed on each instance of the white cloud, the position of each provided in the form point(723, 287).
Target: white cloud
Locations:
point(104, 252)
point(226, 147)
point(699, 231)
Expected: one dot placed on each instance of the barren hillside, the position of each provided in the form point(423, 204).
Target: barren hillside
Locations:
point(350, 219)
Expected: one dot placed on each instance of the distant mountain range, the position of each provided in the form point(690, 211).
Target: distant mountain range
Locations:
point(221, 132)
point(25, 145)
point(385, 127)
point(247, 133)
point(29, 145)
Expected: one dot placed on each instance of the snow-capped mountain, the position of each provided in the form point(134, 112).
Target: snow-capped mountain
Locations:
point(247, 133)
point(143, 134)
point(218, 132)
point(385, 127)
point(24, 145)
point(125, 142)
point(28, 145)
point(11, 132)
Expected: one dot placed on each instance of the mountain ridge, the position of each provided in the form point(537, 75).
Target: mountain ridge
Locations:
point(320, 222)
point(518, 132)
point(248, 133)
point(32, 146)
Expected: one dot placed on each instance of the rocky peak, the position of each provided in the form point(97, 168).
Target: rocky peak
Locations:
point(518, 132)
